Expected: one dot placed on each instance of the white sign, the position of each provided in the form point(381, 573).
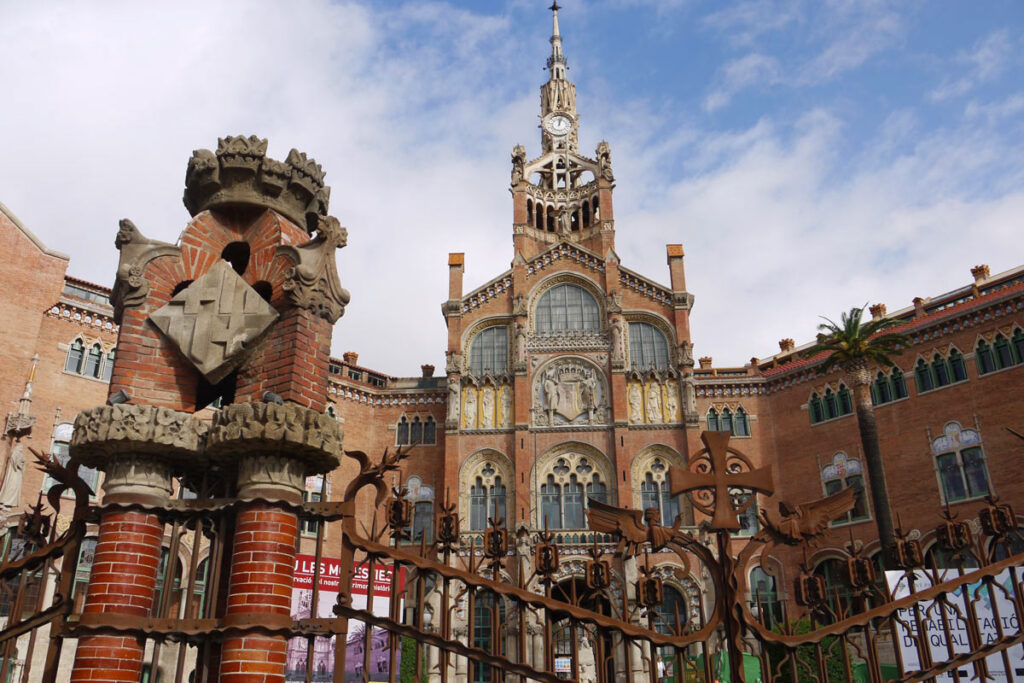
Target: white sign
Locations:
point(986, 603)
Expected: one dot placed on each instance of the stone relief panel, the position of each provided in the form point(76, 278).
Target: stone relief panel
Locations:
point(489, 406)
point(570, 391)
point(653, 400)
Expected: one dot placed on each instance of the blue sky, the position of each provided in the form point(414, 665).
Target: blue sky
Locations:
point(810, 156)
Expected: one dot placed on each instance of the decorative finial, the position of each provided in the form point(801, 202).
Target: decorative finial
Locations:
point(554, 6)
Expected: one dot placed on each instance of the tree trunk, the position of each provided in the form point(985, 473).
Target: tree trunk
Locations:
point(876, 469)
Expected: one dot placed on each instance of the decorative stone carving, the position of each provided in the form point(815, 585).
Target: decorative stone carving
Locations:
point(271, 475)
point(14, 475)
point(682, 301)
point(570, 391)
point(136, 475)
point(469, 407)
point(518, 162)
point(613, 302)
point(567, 341)
point(690, 401)
point(685, 356)
point(520, 354)
point(636, 410)
point(654, 403)
point(251, 428)
point(487, 407)
point(604, 161)
point(453, 402)
point(130, 285)
point(453, 362)
point(506, 406)
point(671, 401)
point(215, 321)
point(104, 432)
point(313, 282)
point(618, 342)
point(519, 305)
point(241, 174)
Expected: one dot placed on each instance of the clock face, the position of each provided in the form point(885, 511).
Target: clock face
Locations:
point(558, 124)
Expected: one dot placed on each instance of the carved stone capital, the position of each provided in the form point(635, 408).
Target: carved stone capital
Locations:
point(241, 174)
point(135, 477)
point(271, 476)
point(306, 435)
point(130, 285)
point(682, 301)
point(313, 282)
point(103, 434)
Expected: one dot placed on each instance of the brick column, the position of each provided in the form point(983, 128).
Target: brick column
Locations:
point(123, 580)
point(262, 565)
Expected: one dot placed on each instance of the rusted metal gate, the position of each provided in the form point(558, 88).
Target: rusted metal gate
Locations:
point(493, 612)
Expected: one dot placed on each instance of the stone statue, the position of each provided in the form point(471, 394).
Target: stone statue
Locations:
point(604, 161)
point(518, 163)
point(589, 396)
point(618, 345)
point(550, 398)
point(686, 354)
point(586, 655)
point(487, 408)
point(453, 400)
point(469, 414)
point(671, 401)
point(562, 219)
point(689, 396)
point(506, 406)
point(10, 491)
point(654, 402)
point(520, 356)
point(636, 410)
point(519, 305)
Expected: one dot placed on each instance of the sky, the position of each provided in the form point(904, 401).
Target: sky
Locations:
point(810, 155)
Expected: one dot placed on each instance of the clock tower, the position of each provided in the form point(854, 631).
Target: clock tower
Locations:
point(561, 196)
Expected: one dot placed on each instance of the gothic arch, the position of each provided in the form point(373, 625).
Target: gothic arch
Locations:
point(474, 331)
point(655, 460)
point(657, 321)
point(488, 464)
point(571, 462)
point(577, 279)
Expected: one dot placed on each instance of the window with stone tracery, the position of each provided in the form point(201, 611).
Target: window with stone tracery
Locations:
point(485, 491)
point(566, 485)
point(566, 308)
point(651, 473)
point(647, 347)
point(488, 352)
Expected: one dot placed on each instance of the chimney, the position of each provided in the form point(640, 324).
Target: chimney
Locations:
point(350, 357)
point(677, 275)
point(919, 311)
point(456, 267)
point(705, 362)
point(786, 345)
point(980, 273)
point(428, 370)
point(877, 311)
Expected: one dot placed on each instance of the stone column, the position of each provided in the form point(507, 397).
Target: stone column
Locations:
point(262, 566)
point(274, 448)
point(136, 446)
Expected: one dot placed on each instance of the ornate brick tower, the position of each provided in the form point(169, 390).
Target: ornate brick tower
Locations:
point(236, 315)
point(561, 195)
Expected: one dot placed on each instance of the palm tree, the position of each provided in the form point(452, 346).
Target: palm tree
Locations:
point(855, 347)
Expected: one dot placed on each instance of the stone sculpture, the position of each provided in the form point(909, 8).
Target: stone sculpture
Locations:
point(654, 402)
point(506, 406)
point(469, 410)
point(618, 345)
point(453, 400)
point(487, 408)
point(671, 402)
point(10, 491)
point(636, 412)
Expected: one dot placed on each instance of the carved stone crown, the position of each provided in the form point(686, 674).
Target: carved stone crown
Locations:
point(241, 174)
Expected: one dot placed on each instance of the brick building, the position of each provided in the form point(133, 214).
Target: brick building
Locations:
point(568, 377)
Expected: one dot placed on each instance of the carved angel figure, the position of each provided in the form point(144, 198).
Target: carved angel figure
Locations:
point(604, 161)
point(453, 399)
point(671, 401)
point(654, 403)
point(469, 412)
point(618, 346)
point(506, 406)
point(632, 526)
point(636, 410)
point(487, 408)
point(807, 522)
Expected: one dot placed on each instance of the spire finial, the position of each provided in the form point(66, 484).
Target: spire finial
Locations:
point(556, 63)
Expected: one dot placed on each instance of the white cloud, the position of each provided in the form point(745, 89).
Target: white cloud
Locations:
point(988, 59)
point(752, 69)
point(744, 22)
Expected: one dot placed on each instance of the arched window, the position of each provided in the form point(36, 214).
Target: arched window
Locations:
point(647, 347)
point(740, 423)
point(670, 615)
point(416, 431)
point(654, 491)
point(422, 499)
point(551, 504)
point(747, 518)
point(899, 386)
point(940, 370)
point(960, 462)
point(488, 352)
point(765, 596)
point(844, 472)
point(845, 400)
point(1004, 357)
point(572, 505)
point(817, 413)
point(402, 432)
point(93, 361)
point(430, 431)
point(487, 502)
point(831, 405)
point(712, 420)
point(957, 366)
point(726, 420)
point(565, 308)
point(108, 366)
point(1018, 344)
point(529, 210)
point(586, 215)
point(488, 617)
point(76, 353)
point(161, 582)
point(83, 569)
point(986, 360)
point(834, 574)
point(923, 376)
point(569, 479)
point(881, 392)
point(597, 489)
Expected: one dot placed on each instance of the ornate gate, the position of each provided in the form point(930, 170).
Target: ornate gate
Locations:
point(480, 614)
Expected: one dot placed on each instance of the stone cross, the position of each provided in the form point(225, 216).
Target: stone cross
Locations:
point(720, 479)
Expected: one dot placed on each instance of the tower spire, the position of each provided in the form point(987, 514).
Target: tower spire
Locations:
point(556, 62)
